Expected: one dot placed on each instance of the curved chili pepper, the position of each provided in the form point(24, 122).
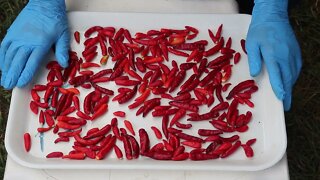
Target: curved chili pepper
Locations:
point(88, 141)
point(92, 30)
point(183, 126)
point(218, 93)
point(240, 87)
point(177, 116)
point(62, 139)
point(214, 49)
point(103, 131)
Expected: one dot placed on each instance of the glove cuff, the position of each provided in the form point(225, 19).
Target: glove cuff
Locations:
point(269, 11)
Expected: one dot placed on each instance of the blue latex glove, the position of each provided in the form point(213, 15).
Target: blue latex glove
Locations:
point(40, 24)
point(272, 40)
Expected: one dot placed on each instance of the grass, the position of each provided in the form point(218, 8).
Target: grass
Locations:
point(303, 121)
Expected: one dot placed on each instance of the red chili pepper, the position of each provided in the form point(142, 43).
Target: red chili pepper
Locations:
point(229, 43)
point(251, 141)
point(88, 141)
point(129, 126)
point(56, 154)
point(48, 93)
point(83, 115)
point(27, 141)
point(49, 119)
point(41, 130)
point(201, 157)
point(230, 139)
point(77, 156)
point(118, 152)
point(106, 149)
point(134, 145)
point(177, 116)
point(144, 142)
point(188, 107)
point(176, 40)
point(212, 138)
point(189, 137)
point(102, 110)
point(69, 133)
point(90, 50)
point(56, 83)
point(236, 58)
point(156, 132)
point(92, 30)
point(149, 42)
point(214, 49)
point(127, 147)
point(119, 113)
point(41, 118)
point(39, 87)
point(208, 132)
point(62, 139)
point(243, 45)
point(248, 150)
point(103, 131)
point(164, 155)
point(192, 144)
point(240, 87)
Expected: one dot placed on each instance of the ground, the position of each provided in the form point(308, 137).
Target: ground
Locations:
point(303, 120)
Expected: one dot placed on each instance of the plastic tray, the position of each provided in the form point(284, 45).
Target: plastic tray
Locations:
point(268, 124)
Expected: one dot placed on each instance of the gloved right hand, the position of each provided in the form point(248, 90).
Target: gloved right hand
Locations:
point(272, 41)
point(40, 24)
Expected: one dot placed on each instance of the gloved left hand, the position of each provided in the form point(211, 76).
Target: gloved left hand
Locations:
point(39, 25)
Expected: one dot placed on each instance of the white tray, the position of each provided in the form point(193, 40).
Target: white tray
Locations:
point(268, 124)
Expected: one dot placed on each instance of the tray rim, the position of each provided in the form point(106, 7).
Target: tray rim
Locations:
point(147, 167)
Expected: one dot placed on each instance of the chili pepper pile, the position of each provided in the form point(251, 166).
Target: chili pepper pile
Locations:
point(145, 74)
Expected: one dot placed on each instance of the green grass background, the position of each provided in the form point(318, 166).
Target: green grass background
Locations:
point(303, 121)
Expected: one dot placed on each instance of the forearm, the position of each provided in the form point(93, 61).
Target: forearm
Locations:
point(57, 5)
point(270, 10)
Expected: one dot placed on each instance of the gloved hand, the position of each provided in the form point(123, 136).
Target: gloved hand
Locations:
point(271, 39)
point(39, 25)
